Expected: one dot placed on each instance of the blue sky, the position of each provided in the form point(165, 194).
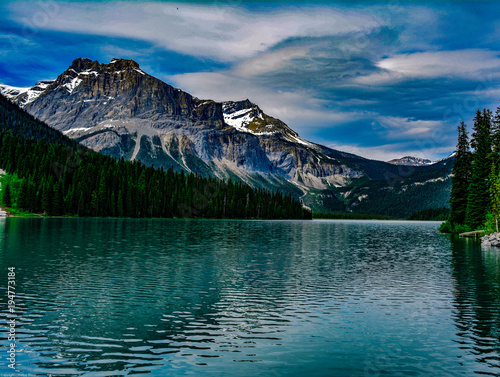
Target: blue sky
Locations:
point(381, 79)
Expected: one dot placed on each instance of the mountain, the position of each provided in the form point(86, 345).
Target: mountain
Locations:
point(49, 173)
point(120, 110)
point(410, 161)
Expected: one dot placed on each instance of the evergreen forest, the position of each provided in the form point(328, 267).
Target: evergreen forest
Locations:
point(475, 192)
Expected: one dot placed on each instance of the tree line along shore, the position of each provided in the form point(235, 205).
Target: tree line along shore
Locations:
point(475, 192)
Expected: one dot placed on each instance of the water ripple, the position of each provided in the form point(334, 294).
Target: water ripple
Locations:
point(167, 298)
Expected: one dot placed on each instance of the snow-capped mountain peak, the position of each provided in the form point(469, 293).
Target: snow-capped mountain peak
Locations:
point(78, 72)
point(410, 161)
point(246, 116)
point(24, 96)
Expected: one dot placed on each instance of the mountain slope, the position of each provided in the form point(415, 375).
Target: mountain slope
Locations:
point(119, 110)
point(18, 122)
point(57, 176)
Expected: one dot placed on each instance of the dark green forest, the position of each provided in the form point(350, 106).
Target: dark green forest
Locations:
point(51, 174)
point(434, 214)
point(475, 193)
point(352, 216)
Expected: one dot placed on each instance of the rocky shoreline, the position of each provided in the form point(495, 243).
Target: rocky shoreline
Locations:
point(492, 239)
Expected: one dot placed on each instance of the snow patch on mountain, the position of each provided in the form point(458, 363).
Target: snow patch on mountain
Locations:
point(298, 139)
point(244, 115)
point(70, 86)
point(12, 92)
point(439, 179)
point(89, 72)
point(446, 158)
point(241, 119)
point(410, 161)
point(31, 96)
point(24, 96)
point(77, 129)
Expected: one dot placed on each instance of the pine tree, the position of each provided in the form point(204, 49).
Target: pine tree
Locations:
point(46, 198)
point(119, 204)
point(94, 204)
point(7, 196)
point(101, 197)
point(57, 201)
point(460, 178)
point(495, 194)
point(81, 210)
point(495, 138)
point(112, 205)
point(478, 193)
point(22, 198)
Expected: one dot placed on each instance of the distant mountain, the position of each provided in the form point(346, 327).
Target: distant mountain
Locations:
point(410, 161)
point(119, 110)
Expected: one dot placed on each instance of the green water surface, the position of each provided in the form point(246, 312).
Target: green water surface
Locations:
point(115, 297)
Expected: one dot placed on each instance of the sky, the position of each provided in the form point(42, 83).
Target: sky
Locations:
point(381, 79)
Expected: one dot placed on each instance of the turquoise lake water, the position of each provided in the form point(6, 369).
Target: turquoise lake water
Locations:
point(115, 297)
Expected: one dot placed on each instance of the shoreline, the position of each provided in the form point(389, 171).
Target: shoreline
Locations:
point(220, 219)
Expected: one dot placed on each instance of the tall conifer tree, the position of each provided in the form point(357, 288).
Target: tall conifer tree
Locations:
point(495, 138)
point(7, 196)
point(495, 194)
point(478, 199)
point(461, 176)
point(22, 198)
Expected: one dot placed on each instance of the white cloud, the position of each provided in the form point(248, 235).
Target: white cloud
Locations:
point(442, 63)
point(418, 138)
point(220, 32)
point(285, 47)
point(397, 128)
point(389, 152)
point(270, 62)
point(470, 63)
point(296, 108)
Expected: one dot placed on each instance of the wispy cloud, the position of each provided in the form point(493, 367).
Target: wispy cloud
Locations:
point(271, 62)
point(402, 128)
point(393, 78)
point(469, 63)
point(297, 108)
point(220, 32)
point(387, 152)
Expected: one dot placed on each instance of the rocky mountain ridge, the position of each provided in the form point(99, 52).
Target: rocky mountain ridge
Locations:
point(120, 110)
point(410, 161)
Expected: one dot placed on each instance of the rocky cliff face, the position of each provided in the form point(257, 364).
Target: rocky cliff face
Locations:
point(120, 110)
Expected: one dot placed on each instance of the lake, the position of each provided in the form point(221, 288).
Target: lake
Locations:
point(114, 297)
